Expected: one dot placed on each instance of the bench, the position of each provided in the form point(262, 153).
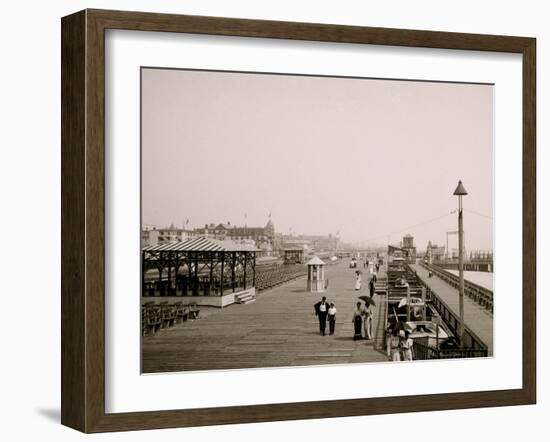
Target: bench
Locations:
point(194, 311)
point(168, 316)
point(150, 318)
point(181, 312)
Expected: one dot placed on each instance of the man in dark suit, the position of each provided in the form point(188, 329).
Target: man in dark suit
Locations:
point(321, 310)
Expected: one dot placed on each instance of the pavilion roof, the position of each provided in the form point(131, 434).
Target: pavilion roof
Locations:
point(201, 244)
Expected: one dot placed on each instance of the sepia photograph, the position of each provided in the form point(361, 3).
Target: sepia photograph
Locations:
point(306, 220)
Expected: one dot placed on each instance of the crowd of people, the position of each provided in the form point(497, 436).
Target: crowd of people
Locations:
point(362, 314)
point(362, 318)
point(399, 344)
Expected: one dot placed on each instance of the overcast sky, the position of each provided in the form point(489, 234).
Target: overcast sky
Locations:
point(371, 159)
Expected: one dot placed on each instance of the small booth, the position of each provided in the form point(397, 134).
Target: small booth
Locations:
point(316, 275)
point(293, 256)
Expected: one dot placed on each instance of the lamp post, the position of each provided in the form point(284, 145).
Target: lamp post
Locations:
point(460, 191)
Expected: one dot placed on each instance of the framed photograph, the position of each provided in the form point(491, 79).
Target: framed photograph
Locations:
point(270, 220)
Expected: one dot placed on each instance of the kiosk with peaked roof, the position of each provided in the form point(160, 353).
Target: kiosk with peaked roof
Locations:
point(316, 275)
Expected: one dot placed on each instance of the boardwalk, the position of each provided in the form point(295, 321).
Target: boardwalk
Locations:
point(484, 279)
point(279, 329)
point(476, 317)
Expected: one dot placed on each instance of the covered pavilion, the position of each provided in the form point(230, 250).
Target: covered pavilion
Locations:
point(198, 267)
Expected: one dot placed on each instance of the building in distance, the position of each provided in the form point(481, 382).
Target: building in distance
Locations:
point(263, 237)
point(152, 235)
point(409, 247)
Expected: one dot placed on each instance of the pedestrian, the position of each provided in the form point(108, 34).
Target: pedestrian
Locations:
point(388, 336)
point(406, 346)
point(331, 318)
point(371, 287)
point(396, 346)
point(374, 277)
point(321, 310)
point(358, 281)
point(357, 321)
point(367, 321)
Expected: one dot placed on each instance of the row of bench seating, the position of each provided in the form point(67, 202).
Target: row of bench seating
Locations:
point(381, 285)
point(273, 276)
point(397, 291)
point(155, 317)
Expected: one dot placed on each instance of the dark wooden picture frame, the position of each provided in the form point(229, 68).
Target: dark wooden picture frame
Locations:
point(83, 220)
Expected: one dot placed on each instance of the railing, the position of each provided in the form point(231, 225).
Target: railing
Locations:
point(473, 265)
point(380, 332)
point(479, 294)
point(471, 340)
point(423, 351)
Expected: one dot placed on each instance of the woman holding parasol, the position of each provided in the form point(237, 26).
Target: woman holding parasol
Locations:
point(357, 321)
point(367, 313)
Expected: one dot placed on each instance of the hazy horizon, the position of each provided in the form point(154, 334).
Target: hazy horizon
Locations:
point(370, 159)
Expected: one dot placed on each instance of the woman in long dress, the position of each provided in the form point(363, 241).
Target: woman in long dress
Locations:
point(388, 336)
point(332, 318)
point(406, 347)
point(368, 322)
point(358, 281)
point(357, 321)
point(396, 346)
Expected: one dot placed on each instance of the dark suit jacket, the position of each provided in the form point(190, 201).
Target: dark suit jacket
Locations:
point(317, 307)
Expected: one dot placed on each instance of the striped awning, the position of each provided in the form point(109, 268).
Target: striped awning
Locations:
point(201, 244)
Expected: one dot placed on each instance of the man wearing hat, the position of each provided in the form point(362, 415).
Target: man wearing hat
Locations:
point(321, 310)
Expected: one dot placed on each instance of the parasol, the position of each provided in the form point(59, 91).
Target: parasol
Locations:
point(402, 302)
point(368, 300)
point(413, 302)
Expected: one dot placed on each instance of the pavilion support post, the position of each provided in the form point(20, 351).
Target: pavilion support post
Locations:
point(245, 264)
point(233, 264)
point(221, 274)
point(189, 285)
point(143, 274)
point(254, 269)
point(211, 283)
point(161, 268)
point(169, 284)
point(177, 264)
point(196, 283)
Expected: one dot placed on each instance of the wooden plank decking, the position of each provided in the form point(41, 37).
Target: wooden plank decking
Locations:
point(279, 329)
